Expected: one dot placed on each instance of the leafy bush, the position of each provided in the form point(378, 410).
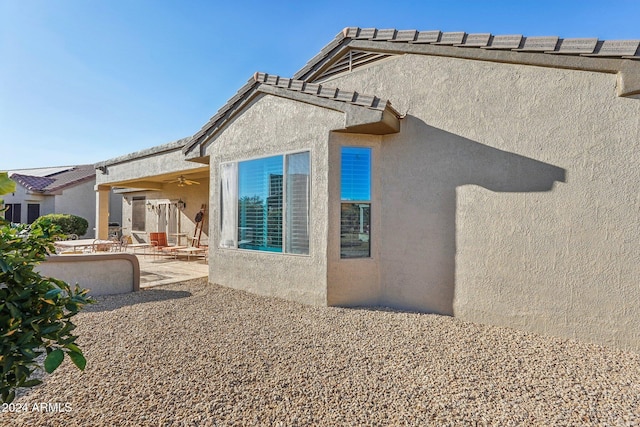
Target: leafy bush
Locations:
point(35, 311)
point(69, 224)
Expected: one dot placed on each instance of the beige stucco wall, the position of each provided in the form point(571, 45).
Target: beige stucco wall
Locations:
point(102, 274)
point(23, 197)
point(152, 164)
point(476, 220)
point(353, 282)
point(271, 126)
point(193, 197)
point(79, 200)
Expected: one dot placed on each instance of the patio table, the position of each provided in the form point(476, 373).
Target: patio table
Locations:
point(74, 245)
point(191, 252)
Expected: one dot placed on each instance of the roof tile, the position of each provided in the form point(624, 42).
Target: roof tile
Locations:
point(366, 33)
point(345, 95)
point(364, 100)
point(505, 42)
point(539, 44)
point(327, 92)
point(452, 38)
point(297, 85)
point(575, 46)
point(616, 48)
point(385, 35)
point(405, 36)
point(428, 37)
point(476, 40)
point(311, 88)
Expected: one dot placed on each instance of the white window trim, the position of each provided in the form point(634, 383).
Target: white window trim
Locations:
point(284, 155)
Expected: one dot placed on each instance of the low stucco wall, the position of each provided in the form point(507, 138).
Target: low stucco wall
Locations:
point(102, 274)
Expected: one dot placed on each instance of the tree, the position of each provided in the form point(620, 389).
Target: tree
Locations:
point(35, 311)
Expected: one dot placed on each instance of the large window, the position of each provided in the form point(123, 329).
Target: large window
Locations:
point(355, 209)
point(265, 204)
point(13, 212)
point(138, 214)
point(260, 202)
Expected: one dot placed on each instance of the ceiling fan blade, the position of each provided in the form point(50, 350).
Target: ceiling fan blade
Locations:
point(182, 181)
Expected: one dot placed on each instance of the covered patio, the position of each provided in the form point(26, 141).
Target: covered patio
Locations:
point(161, 192)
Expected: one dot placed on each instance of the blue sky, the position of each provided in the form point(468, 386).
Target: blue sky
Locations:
point(83, 81)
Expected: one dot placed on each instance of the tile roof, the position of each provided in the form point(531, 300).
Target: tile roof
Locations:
point(322, 91)
point(56, 181)
point(41, 171)
point(546, 51)
point(292, 85)
point(32, 183)
point(147, 152)
point(551, 45)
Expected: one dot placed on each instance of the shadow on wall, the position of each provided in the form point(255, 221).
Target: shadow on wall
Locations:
point(421, 171)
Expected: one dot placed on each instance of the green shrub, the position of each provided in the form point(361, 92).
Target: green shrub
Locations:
point(69, 224)
point(35, 311)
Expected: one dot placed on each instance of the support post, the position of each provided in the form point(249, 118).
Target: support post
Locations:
point(102, 211)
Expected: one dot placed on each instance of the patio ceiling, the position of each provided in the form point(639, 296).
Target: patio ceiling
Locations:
point(162, 181)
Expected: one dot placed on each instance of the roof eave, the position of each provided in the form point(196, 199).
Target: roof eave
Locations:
point(396, 42)
point(59, 189)
point(363, 114)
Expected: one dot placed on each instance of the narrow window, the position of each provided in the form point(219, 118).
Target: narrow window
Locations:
point(33, 212)
point(355, 209)
point(138, 214)
point(13, 212)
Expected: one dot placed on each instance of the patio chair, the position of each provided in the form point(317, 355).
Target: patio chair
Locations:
point(99, 246)
point(127, 243)
point(161, 246)
point(158, 241)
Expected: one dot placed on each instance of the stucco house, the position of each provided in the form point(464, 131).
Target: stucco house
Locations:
point(62, 189)
point(492, 178)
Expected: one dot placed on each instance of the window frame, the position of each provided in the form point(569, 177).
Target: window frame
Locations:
point(142, 199)
point(30, 212)
point(235, 208)
point(357, 202)
point(11, 209)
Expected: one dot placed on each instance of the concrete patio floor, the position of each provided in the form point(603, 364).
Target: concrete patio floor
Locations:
point(156, 271)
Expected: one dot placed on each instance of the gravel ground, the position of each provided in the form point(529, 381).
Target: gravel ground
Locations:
point(195, 354)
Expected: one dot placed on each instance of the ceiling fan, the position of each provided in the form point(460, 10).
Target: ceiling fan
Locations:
point(182, 181)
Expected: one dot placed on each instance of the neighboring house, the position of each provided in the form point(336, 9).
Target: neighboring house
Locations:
point(64, 190)
point(492, 178)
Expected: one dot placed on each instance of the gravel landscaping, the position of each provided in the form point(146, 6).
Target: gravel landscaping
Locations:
point(196, 354)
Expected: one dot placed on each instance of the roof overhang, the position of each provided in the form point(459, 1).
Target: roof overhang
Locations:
point(158, 182)
point(609, 56)
point(357, 119)
point(363, 114)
